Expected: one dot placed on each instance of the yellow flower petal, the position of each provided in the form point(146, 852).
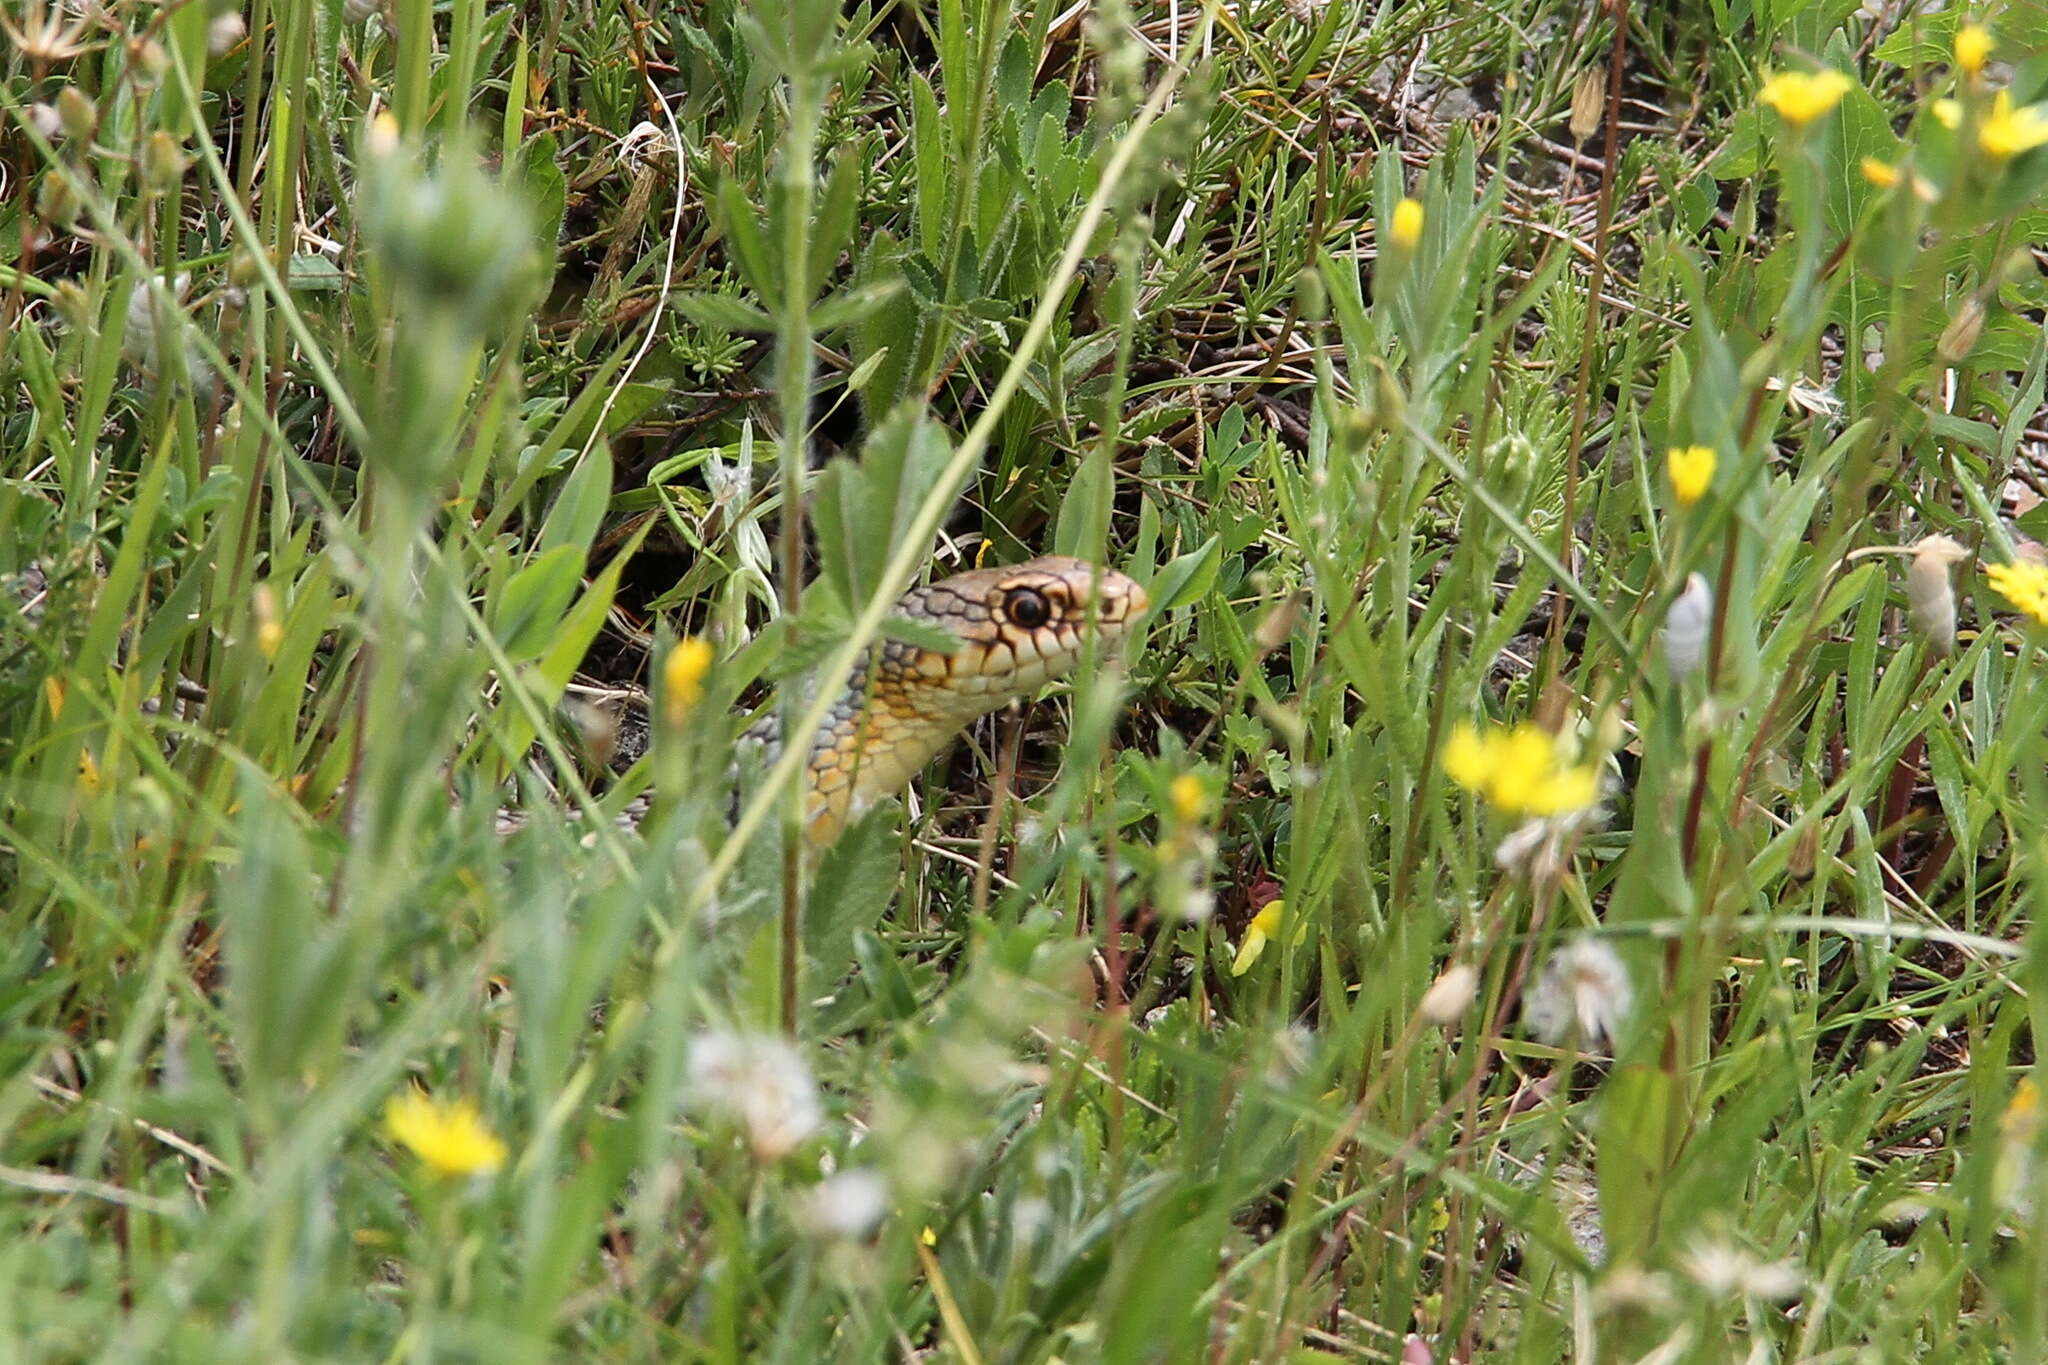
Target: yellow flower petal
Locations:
point(2023, 1114)
point(1882, 174)
point(1467, 758)
point(1248, 951)
point(682, 677)
point(1567, 790)
point(449, 1136)
point(1257, 935)
point(2024, 585)
point(1406, 229)
point(1522, 771)
point(1948, 113)
point(1800, 97)
point(1973, 47)
point(1190, 799)
point(1691, 469)
point(2007, 132)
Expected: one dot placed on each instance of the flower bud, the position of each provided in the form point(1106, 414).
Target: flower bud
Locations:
point(1804, 858)
point(1686, 627)
point(74, 305)
point(163, 163)
point(1447, 998)
point(149, 57)
point(1930, 597)
point(1959, 338)
point(56, 205)
point(1276, 627)
point(1589, 102)
point(1404, 229)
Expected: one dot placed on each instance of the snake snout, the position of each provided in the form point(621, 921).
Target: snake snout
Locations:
point(1119, 601)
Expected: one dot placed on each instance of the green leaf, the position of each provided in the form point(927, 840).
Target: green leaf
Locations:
point(857, 881)
point(1635, 1111)
point(838, 210)
point(580, 506)
point(1187, 578)
point(740, 223)
point(534, 600)
point(922, 634)
point(723, 310)
point(863, 508)
point(854, 305)
point(1923, 40)
point(1083, 528)
point(314, 273)
point(881, 971)
point(566, 647)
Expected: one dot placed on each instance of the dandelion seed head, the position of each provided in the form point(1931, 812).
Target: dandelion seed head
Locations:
point(759, 1082)
point(1583, 995)
point(848, 1206)
point(1725, 1270)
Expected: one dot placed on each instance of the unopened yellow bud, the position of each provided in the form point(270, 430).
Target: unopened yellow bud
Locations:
point(1406, 228)
point(682, 677)
point(1973, 48)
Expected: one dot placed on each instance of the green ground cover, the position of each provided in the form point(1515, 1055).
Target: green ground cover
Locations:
point(1554, 879)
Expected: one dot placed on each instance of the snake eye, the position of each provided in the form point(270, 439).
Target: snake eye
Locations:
point(1027, 607)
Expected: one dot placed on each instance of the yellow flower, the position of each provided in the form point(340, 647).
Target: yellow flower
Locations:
point(2023, 1115)
point(682, 677)
point(89, 772)
point(1948, 113)
point(1257, 934)
point(1523, 771)
point(1973, 47)
point(2006, 131)
point(447, 1135)
point(1692, 472)
point(2024, 585)
point(1882, 174)
point(269, 630)
point(1406, 228)
point(1800, 97)
point(1190, 800)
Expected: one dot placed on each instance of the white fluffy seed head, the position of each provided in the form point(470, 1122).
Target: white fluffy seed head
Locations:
point(1583, 995)
point(758, 1082)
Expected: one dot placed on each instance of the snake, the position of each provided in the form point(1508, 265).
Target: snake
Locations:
point(1019, 627)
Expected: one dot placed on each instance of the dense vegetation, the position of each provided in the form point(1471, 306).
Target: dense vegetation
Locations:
point(1556, 878)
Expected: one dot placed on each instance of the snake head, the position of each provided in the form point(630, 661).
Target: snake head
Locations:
point(1023, 625)
point(1019, 627)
